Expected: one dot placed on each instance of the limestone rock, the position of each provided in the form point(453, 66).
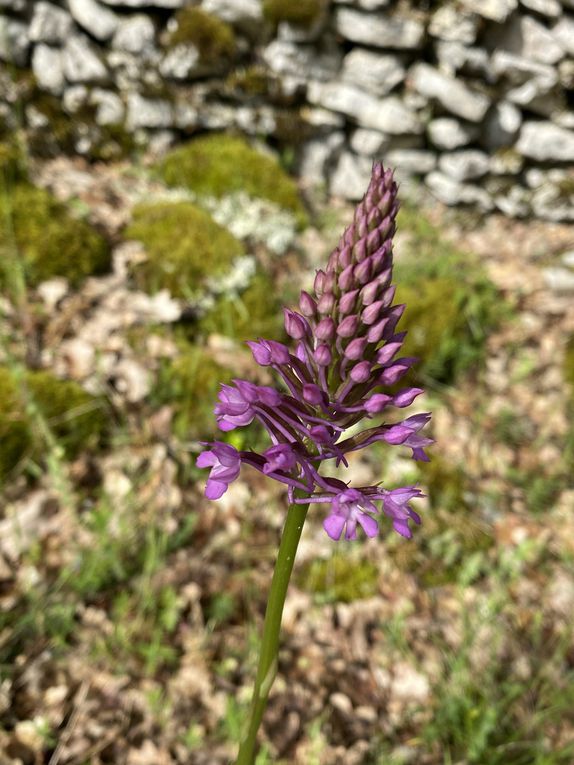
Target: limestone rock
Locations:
point(110, 107)
point(379, 31)
point(501, 125)
point(145, 3)
point(559, 279)
point(454, 25)
point(316, 156)
point(452, 192)
point(96, 19)
point(134, 34)
point(378, 73)
point(411, 161)
point(448, 133)
point(48, 69)
point(563, 32)
point(234, 11)
point(518, 70)
point(351, 177)
point(455, 57)
point(14, 41)
point(551, 8)
point(368, 142)
point(464, 165)
point(286, 58)
point(495, 10)
point(50, 24)
point(546, 142)
point(148, 112)
point(452, 94)
point(530, 39)
point(180, 62)
point(81, 62)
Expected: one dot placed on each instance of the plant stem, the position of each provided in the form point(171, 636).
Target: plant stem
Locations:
point(267, 669)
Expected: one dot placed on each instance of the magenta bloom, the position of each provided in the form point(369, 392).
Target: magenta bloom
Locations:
point(335, 373)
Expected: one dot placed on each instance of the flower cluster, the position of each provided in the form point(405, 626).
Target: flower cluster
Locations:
point(343, 356)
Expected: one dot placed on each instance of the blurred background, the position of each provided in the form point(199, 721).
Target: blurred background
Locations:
point(171, 174)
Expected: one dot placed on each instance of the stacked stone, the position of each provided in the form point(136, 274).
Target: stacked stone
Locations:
point(471, 97)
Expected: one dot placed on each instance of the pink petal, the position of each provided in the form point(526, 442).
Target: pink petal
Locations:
point(206, 459)
point(215, 489)
point(334, 525)
point(370, 526)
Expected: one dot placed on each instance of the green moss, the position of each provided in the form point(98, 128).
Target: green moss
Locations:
point(219, 164)
point(251, 81)
point(569, 365)
point(340, 578)
point(213, 38)
point(75, 419)
point(12, 164)
point(302, 13)
point(38, 232)
point(184, 246)
point(452, 307)
point(256, 312)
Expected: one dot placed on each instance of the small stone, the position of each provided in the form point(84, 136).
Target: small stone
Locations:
point(563, 32)
point(234, 11)
point(495, 10)
point(14, 41)
point(81, 63)
point(48, 69)
point(518, 70)
point(506, 162)
point(145, 3)
point(148, 112)
point(448, 133)
point(411, 161)
point(453, 25)
point(286, 58)
point(502, 125)
point(514, 202)
point(368, 142)
point(96, 19)
point(546, 142)
point(559, 279)
point(374, 72)
point(568, 258)
point(341, 703)
point(50, 24)
point(134, 34)
point(550, 8)
point(454, 96)
point(455, 57)
point(74, 98)
point(538, 95)
point(378, 30)
point(350, 177)
point(180, 62)
point(408, 684)
point(317, 155)
point(110, 107)
point(452, 192)
point(528, 38)
point(464, 165)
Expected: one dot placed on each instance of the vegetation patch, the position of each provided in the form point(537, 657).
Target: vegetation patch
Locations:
point(302, 13)
point(37, 405)
point(342, 578)
point(12, 164)
point(219, 164)
point(39, 236)
point(213, 38)
point(184, 247)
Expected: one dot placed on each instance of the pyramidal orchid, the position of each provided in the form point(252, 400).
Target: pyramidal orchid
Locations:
point(340, 369)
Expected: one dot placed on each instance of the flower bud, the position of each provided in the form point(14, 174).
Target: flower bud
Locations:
point(398, 369)
point(377, 403)
point(388, 296)
point(345, 257)
point(349, 326)
point(361, 372)
point(279, 457)
point(266, 352)
point(387, 352)
point(307, 305)
point(369, 292)
point(326, 303)
point(347, 302)
point(296, 325)
point(374, 240)
point(356, 349)
point(312, 394)
point(371, 313)
point(325, 329)
point(406, 396)
point(376, 332)
point(323, 355)
point(360, 251)
point(346, 278)
point(363, 271)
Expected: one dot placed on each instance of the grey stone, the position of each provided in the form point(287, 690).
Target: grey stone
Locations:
point(186, 115)
point(546, 142)
point(538, 95)
point(559, 279)
point(551, 8)
point(453, 192)
point(215, 116)
point(96, 19)
point(527, 37)
point(50, 24)
point(501, 125)
point(180, 62)
point(145, 3)
point(568, 258)
point(452, 94)
point(565, 119)
point(379, 31)
point(285, 58)
point(14, 41)
point(464, 165)
point(13, 5)
point(303, 34)
point(518, 70)
point(48, 69)
point(110, 107)
point(148, 112)
point(448, 133)
point(373, 5)
point(255, 121)
point(81, 62)
point(134, 34)
point(495, 10)
point(506, 162)
point(234, 11)
point(514, 202)
point(368, 142)
point(452, 24)
point(454, 57)
point(316, 156)
point(563, 31)
point(411, 161)
point(375, 72)
point(350, 177)
point(74, 98)
point(322, 118)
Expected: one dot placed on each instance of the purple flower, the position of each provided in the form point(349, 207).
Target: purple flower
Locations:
point(341, 356)
point(347, 509)
point(224, 461)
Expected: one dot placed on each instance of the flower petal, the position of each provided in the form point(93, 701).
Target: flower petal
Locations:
point(333, 525)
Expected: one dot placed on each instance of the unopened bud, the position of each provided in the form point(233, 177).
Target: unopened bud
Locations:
point(307, 305)
point(361, 372)
point(356, 349)
point(296, 326)
point(323, 355)
point(349, 326)
point(348, 302)
point(325, 329)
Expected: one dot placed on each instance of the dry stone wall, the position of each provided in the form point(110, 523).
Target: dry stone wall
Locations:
point(473, 97)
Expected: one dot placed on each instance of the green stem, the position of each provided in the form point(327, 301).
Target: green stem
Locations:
point(267, 669)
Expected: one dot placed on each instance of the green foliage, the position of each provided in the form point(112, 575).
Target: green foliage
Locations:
point(12, 165)
point(302, 13)
point(74, 418)
point(213, 38)
point(342, 578)
point(512, 429)
point(452, 307)
point(251, 81)
point(256, 312)
point(220, 164)
point(569, 365)
point(38, 234)
point(184, 246)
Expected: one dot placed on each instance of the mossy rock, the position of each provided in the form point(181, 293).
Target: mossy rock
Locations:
point(190, 384)
point(341, 578)
point(75, 419)
point(184, 246)
point(40, 236)
point(12, 165)
point(302, 13)
point(213, 38)
point(219, 164)
point(249, 82)
point(255, 312)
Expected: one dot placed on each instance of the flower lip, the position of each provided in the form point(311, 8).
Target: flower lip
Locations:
point(225, 462)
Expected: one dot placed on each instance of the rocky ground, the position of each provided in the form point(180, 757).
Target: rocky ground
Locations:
point(132, 605)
